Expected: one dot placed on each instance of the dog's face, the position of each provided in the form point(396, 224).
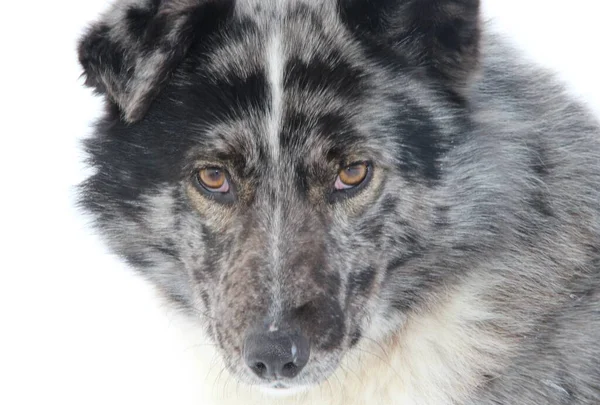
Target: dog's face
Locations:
point(271, 166)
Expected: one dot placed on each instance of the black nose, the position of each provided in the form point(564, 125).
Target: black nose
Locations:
point(276, 355)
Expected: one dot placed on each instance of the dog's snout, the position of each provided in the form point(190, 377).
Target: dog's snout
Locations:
point(276, 355)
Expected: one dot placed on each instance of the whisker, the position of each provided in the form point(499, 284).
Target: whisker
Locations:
point(214, 362)
point(379, 345)
point(237, 388)
point(384, 361)
point(225, 393)
point(202, 313)
point(353, 372)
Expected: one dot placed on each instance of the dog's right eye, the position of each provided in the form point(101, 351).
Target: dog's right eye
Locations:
point(214, 183)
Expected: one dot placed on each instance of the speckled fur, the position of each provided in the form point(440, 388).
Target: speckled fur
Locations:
point(466, 272)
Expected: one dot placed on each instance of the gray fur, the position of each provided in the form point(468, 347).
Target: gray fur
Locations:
point(499, 230)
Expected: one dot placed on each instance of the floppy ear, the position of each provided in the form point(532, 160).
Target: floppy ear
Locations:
point(130, 53)
point(441, 35)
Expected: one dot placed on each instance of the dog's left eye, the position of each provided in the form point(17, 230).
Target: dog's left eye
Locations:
point(352, 176)
point(214, 180)
point(351, 180)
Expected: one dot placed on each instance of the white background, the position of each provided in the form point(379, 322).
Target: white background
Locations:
point(76, 327)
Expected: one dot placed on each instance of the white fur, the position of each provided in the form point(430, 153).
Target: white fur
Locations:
point(275, 62)
point(275, 67)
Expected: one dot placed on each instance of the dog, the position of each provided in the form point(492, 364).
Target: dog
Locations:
point(351, 201)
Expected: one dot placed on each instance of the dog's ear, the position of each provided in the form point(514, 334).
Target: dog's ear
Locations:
point(440, 35)
point(130, 53)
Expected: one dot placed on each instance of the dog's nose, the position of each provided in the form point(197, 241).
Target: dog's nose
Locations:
point(276, 355)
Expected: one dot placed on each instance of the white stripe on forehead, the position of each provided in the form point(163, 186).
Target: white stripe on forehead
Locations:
point(275, 76)
point(274, 63)
point(268, 14)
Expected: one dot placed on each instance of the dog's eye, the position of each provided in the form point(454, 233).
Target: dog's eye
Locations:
point(352, 176)
point(213, 180)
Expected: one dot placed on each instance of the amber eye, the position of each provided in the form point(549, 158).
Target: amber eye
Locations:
point(214, 180)
point(352, 176)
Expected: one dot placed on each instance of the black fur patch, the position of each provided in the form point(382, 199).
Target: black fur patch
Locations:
point(539, 201)
point(139, 19)
point(294, 129)
point(362, 282)
point(420, 142)
point(355, 337)
point(326, 327)
point(337, 131)
point(335, 75)
point(367, 17)
point(233, 94)
point(542, 169)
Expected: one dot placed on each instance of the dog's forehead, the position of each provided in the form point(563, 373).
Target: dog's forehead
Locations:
point(295, 78)
point(266, 32)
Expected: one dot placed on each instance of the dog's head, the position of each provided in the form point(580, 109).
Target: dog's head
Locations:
point(270, 165)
